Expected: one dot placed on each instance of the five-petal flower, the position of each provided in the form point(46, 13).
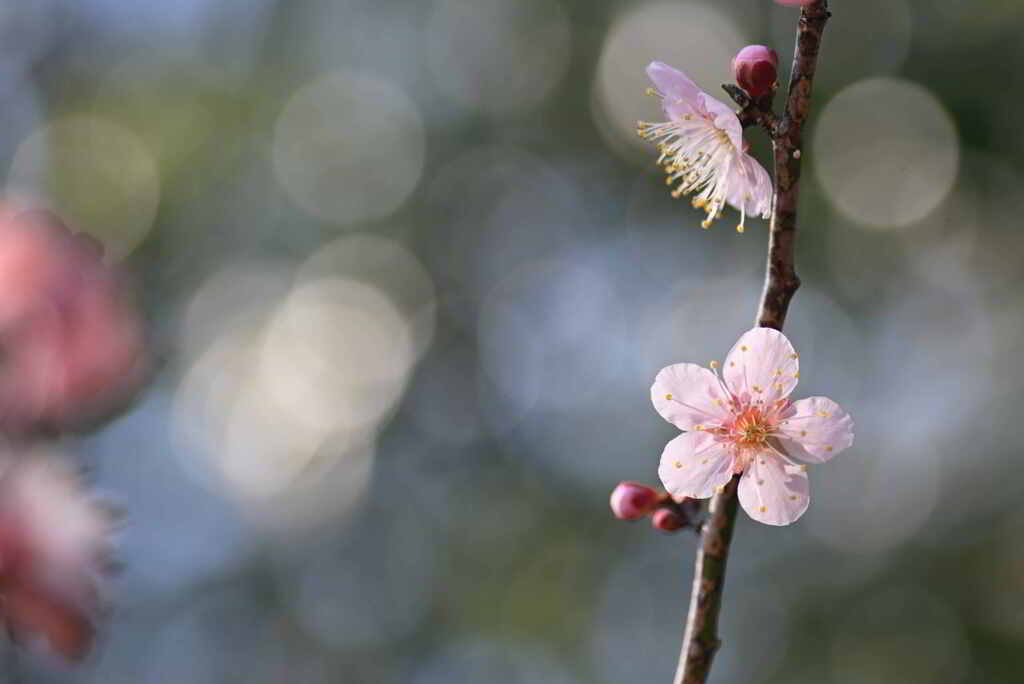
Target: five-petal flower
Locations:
point(743, 422)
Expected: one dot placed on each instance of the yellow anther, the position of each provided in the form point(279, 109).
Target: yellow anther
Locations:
point(792, 497)
point(703, 461)
point(743, 348)
point(668, 397)
point(823, 414)
point(732, 363)
point(796, 375)
point(778, 386)
point(828, 448)
point(699, 203)
point(677, 464)
point(803, 433)
point(705, 224)
point(719, 490)
point(763, 509)
point(804, 468)
point(740, 228)
point(794, 356)
point(713, 364)
point(756, 388)
point(650, 91)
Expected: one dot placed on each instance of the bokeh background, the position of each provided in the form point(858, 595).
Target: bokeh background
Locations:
point(409, 274)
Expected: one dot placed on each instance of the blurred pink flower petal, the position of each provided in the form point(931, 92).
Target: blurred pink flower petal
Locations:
point(71, 341)
point(702, 149)
point(743, 422)
point(54, 543)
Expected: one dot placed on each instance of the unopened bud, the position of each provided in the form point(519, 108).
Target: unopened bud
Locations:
point(668, 520)
point(632, 500)
point(756, 69)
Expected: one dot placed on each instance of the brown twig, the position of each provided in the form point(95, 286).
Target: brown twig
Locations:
point(700, 641)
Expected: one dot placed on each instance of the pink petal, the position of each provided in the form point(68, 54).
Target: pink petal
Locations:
point(762, 367)
point(688, 395)
point(674, 84)
point(694, 464)
point(815, 429)
point(750, 187)
point(772, 492)
point(724, 118)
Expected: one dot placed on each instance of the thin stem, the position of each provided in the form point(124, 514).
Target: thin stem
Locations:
point(700, 641)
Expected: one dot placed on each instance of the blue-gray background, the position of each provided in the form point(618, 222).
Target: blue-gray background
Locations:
point(409, 275)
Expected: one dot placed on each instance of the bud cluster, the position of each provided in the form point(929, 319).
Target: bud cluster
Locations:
point(633, 500)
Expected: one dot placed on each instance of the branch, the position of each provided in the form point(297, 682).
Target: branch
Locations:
point(700, 641)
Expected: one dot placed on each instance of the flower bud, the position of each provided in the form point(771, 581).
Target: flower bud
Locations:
point(668, 520)
point(756, 69)
point(632, 500)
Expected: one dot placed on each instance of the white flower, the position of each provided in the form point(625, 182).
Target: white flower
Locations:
point(702, 150)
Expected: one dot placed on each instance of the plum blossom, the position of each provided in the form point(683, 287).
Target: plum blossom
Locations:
point(70, 340)
point(742, 422)
point(703, 151)
point(54, 546)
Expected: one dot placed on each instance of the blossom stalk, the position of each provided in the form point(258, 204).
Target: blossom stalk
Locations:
point(700, 640)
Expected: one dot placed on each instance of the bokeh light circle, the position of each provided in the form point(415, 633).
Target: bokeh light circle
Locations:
point(387, 265)
point(495, 56)
point(98, 175)
point(336, 355)
point(694, 37)
point(886, 152)
point(349, 147)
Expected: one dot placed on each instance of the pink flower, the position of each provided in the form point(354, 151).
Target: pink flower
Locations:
point(743, 422)
point(70, 341)
point(702, 150)
point(54, 543)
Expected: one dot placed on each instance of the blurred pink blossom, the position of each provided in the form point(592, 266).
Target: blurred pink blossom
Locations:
point(53, 549)
point(743, 422)
point(71, 341)
point(702, 149)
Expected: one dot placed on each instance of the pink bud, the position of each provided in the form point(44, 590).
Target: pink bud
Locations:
point(632, 500)
point(668, 520)
point(756, 69)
